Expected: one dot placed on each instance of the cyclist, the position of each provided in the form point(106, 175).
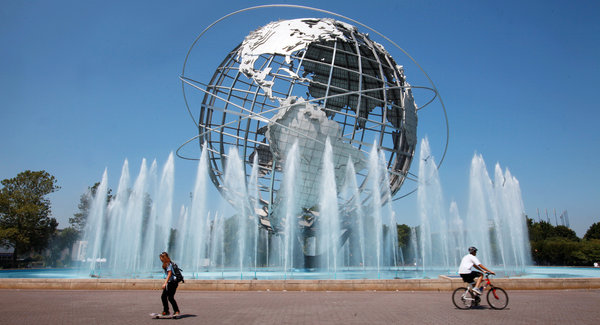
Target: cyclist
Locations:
point(468, 266)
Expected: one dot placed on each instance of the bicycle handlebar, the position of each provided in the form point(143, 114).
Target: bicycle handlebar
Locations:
point(487, 274)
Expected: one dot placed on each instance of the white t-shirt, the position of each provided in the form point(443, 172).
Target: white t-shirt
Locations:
point(467, 263)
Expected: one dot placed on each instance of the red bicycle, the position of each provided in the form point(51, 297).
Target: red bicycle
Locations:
point(465, 298)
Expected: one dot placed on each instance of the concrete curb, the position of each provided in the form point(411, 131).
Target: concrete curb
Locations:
point(441, 284)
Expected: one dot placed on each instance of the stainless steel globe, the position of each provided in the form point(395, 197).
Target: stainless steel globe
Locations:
point(304, 81)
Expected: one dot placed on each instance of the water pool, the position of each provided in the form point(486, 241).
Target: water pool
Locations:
point(266, 274)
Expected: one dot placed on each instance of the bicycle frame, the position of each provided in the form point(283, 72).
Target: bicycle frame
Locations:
point(465, 298)
point(486, 284)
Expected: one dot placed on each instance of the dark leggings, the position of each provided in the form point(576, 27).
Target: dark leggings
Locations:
point(169, 293)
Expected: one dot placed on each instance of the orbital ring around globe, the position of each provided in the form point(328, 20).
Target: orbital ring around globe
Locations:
point(437, 95)
point(305, 82)
point(255, 115)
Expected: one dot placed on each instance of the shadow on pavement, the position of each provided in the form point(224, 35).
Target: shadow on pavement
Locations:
point(186, 316)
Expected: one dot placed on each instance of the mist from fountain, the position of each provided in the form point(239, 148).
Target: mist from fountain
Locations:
point(193, 231)
point(151, 220)
point(375, 205)
point(115, 216)
point(512, 228)
point(217, 247)
point(351, 197)
point(479, 209)
point(390, 247)
point(291, 210)
point(131, 229)
point(138, 222)
point(162, 213)
point(456, 234)
point(96, 222)
point(494, 223)
point(329, 217)
point(435, 248)
point(236, 194)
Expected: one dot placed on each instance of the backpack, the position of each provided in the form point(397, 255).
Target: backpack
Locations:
point(177, 273)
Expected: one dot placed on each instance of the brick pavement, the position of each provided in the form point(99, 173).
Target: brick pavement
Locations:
point(264, 307)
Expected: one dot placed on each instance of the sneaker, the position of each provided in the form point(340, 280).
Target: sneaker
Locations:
point(164, 313)
point(176, 314)
point(477, 291)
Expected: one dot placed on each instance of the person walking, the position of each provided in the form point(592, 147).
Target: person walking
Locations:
point(169, 287)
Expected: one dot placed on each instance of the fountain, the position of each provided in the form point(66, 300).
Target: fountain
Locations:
point(125, 233)
point(308, 130)
point(289, 233)
point(329, 216)
point(130, 230)
point(495, 221)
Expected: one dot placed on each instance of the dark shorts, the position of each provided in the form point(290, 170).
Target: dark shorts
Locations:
point(470, 277)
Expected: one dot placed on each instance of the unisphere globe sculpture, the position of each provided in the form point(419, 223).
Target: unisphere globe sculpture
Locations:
point(306, 82)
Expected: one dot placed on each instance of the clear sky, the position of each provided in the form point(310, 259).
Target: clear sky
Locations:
point(87, 84)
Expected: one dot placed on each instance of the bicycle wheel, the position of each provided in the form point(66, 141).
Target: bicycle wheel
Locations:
point(462, 298)
point(497, 298)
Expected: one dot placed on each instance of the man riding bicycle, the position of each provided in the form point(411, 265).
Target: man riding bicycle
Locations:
point(468, 266)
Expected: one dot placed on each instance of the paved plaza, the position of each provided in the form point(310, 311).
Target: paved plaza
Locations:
point(276, 307)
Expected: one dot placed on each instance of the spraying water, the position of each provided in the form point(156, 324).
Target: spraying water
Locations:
point(291, 210)
point(97, 221)
point(191, 243)
point(351, 196)
point(138, 207)
point(494, 222)
point(330, 233)
point(236, 194)
point(254, 197)
point(375, 207)
point(125, 232)
point(116, 215)
point(391, 236)
point(435, 247)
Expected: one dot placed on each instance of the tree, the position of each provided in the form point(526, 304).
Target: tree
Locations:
point(565, 232)
point(403, 235)
point(593, 232)
point(559, 245)
point(62, 239)
point(79, 219)
point(25, 222)
point(539, 230)
point(543, 230)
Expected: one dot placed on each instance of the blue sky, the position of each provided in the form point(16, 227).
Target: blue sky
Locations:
point(87, 84)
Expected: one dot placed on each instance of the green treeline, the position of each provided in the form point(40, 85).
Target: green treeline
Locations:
point(559, 245)
point(550, 245)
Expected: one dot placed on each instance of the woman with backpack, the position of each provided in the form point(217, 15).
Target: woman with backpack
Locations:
point(170, 286)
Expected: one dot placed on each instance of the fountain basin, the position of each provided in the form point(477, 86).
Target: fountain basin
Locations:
point(442, 283)
point(532, 272)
